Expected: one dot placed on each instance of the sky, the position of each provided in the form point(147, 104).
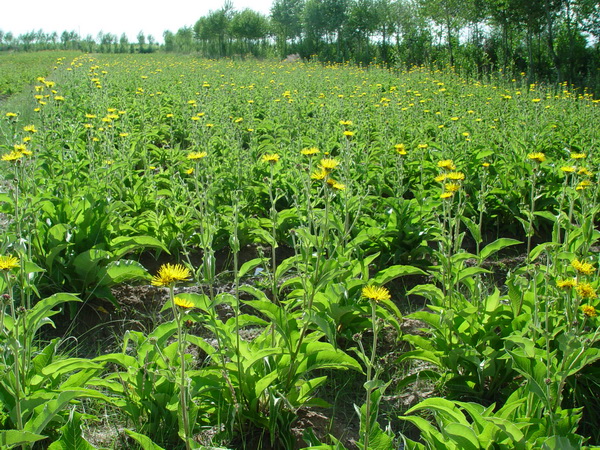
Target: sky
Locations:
point(152, 17)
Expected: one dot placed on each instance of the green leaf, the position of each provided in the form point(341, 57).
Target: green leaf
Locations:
point(13, 438)
point(71, 438)
point(125, 244)
point(87, 262)
point(392, 272)
point(42, 309)
point(463, 435)
point(144, 441)
point(473, 228)
point(447, 410)
point(50, 409)
point(121, 271)
point(496, 246)
point(249, 265)
point(59, 368)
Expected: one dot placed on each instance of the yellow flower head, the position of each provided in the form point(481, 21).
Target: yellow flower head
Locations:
point(583, 268)
point(578, 155)
point(584, 171)
point(319, 174)
point(568, 169)
point(537, 157)
point(12, 156)
point(169, 274)
point(400, 149)
point(348, 133)
point(196, 155)
point(583, 185)
point(446, 164)
point(270, 158)
point(8, 262)
point(336, 184)
point(585, 290)
point(328, 164)
point(376, 293)
point(566, 284)
point(182, 302)
point(446, 195)
point(456, 176)
point(30, 129)
point(440, 178)
point(310, 151)
point(452, 187)
point(589, 310)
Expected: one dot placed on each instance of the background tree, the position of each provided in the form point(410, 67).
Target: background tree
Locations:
point(286, 20)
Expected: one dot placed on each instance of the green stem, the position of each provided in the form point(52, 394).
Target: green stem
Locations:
point(183, 392)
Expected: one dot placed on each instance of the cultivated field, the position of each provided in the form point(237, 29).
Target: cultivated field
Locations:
point(293, 255)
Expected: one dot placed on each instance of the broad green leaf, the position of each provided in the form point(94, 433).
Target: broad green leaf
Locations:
point(59, 368)
point(122, 245)
point(250, 265)
point(71, 438)
point(144, 441)
point(14, 438)
point(384, 276)
point(463, 435)
point(122, 271)
point(495, 247)
point(42, 309)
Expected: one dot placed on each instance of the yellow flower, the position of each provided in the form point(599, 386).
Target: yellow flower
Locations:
point(537, 157)
point(319, 174)
point(400, 149)
point(446, 195)
point(12, 156)
point(270, 158)
point(196, 155)
point(568, 169)
point(589, 310)
point(566, 284)
point(336, 184)
point(447, 164)
point(422, 146)
point(346, 122)
point(376, 293)
point(583, 185)
point(11, 115)
point(585, 290)
point(310, 151)
point(583, 268)
point(8, 262)
point(348, 133)
point(30, 128)
point(169, 274)
point(189, 171)
point(184, 303)
point(578, 155)
point(456, 176)
point(584, 171)
point(328, 164)
point(452, 187)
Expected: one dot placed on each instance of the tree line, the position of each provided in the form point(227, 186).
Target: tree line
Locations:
point(546, 40)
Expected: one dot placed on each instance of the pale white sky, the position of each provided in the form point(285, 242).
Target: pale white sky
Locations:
point(152, 17)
